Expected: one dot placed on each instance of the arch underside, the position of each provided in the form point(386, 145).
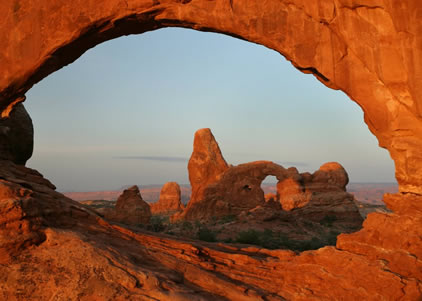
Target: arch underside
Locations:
point(368, 51)
point(371, 50)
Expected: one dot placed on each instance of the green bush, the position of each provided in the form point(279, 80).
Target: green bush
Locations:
point(250, 236)
point(206, 234)
point(156, 224)
point(227, 219)
point(187, 225)
point(270, 240)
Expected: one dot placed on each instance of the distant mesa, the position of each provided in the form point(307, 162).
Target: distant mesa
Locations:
point(170, 200)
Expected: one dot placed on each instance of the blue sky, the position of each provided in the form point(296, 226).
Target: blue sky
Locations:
point(126, 111)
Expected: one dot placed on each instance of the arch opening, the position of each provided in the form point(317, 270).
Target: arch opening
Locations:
point(181, 158)
point(52, 54)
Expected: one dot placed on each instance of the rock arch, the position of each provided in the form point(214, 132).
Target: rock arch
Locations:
point(370, 50)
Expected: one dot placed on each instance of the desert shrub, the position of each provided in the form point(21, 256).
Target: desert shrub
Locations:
point(156, 224)
point(305, 245)
point(227, 219)
point(328, 220)
point(250, 236)
point(187, 225)
point(206, 234)
point(308, 223)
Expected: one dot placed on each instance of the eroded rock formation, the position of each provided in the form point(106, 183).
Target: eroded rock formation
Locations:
point(170, 200)
point(205, 166)
point(237, 189)
point(130, 208)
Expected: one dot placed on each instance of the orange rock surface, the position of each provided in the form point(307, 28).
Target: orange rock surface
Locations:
point(170, 200)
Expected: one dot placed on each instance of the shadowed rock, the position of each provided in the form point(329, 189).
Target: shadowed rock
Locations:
point(16, 136)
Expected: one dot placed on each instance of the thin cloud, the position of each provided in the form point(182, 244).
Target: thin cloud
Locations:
point(292, 164)
point(153, 158)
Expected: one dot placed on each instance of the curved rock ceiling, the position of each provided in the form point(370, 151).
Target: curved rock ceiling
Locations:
point(368, 49)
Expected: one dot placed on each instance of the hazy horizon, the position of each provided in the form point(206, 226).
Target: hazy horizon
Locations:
point(127, 110)
point(187, 184)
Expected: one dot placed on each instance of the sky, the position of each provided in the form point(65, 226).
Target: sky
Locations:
point(126, 112)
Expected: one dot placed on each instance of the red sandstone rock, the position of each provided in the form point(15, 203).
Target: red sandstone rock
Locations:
point(205, 167)
point(130, 208)
point(291, 194)
point(237, 190)
point(330, 176)
point(170, 200)
point(206, 163)
point(270, 197)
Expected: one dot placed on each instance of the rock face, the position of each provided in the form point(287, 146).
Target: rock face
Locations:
point(130, 208)
point(369, 49)
point(16, 136)
point(170, 200)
